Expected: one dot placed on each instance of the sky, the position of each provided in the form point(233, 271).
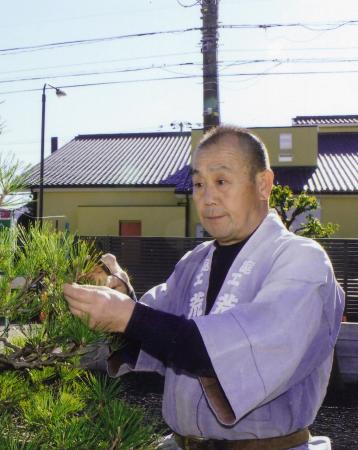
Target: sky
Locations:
point(146, 83)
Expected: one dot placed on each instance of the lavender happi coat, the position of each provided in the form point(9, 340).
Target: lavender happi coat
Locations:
point(270, 336)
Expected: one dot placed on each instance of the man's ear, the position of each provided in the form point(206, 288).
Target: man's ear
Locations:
point(264, 183)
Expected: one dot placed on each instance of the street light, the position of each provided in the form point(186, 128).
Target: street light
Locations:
point(59, 93)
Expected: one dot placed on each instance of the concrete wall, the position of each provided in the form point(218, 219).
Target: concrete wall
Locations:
point(341, 209)
point(162, 213)
point(155, 220)
point(337, 129)
point(304, 145)
point(98, 211)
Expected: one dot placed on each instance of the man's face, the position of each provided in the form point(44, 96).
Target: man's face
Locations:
point(230, 204)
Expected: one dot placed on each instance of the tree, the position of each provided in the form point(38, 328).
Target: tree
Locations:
point(290, 207)
point(12, 180)
point(34, 265)
point(47, 399)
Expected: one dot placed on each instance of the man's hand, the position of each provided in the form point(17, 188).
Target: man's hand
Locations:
point(104, 308)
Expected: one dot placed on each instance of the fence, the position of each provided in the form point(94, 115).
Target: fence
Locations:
point(151, 260)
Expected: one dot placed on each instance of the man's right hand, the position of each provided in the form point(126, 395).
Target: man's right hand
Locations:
point(102, 308)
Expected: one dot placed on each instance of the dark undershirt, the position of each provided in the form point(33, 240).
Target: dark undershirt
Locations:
point(175, 340)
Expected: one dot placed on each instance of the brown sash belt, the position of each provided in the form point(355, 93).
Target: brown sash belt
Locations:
point(275, 443)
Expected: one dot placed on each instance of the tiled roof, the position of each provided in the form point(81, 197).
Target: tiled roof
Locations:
point(162, 159)
point(337, 167)
point(324, 120)
point(145, 159)
point(335, 174)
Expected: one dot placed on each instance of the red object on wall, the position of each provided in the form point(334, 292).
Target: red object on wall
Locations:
point(130, 228)
point(5, 214)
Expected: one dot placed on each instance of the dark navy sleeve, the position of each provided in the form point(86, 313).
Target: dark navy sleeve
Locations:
point(174, 340)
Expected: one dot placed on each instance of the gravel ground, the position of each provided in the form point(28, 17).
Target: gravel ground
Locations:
point(337, 418)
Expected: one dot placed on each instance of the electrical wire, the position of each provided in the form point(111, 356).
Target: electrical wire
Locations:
point(198, 2)
point(136, 58)
point(60, 44)
point(99, 72)
point(104, 83)
point(308, 26)
point(107, 61)
point(186, 77)
point(222, 65)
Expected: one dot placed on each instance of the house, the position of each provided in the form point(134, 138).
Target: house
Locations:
point(140, 184)
point(119, 184)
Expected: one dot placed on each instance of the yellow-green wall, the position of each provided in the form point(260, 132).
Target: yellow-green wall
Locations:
point(99, 211)
point(162, 213)
point(304, 144)
point(194, 218)
point(341, 209)
point(155, 220)
point(338, 129)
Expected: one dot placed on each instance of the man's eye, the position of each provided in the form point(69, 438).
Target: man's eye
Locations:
point(221, 182)
point(197, 185)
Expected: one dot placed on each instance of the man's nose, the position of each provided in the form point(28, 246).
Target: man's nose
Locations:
point(210, 196)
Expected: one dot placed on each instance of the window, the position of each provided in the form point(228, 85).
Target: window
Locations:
point(130, 228)
point(286, 147)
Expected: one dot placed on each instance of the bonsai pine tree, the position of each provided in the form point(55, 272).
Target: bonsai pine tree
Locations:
point(47, 399)
point(34, 264)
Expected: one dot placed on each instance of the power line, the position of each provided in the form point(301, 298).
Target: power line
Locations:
point(317, 26)
point(99, 72)
point(51, 45)
point(104, 83)
point(309, 26)
point(197, 2)
point(223, 64)
point(136, 58)
point(107, 61)
point(187, 77)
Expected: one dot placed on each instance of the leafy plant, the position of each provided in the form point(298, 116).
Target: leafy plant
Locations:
point(12, 179)
point(47, 401)
point(68, 409)
point(35, 264)
point(290, 206)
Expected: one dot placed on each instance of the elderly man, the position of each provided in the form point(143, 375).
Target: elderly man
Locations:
point(244, 328)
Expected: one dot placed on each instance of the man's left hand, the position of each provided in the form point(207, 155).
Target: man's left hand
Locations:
point(104, 308)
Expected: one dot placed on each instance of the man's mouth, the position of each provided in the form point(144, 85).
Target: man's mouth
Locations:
point(214, 217)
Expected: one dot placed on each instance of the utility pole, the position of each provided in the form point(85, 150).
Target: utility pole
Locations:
point(211, 107)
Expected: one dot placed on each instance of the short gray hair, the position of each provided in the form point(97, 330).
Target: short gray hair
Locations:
point(253, 148)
